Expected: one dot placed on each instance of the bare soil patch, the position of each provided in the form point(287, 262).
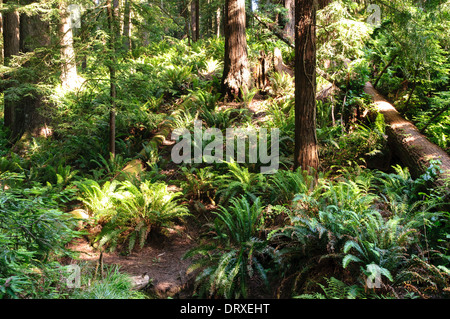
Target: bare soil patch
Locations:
point(161, 260)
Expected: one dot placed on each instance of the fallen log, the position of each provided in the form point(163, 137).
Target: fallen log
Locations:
point(413, 149)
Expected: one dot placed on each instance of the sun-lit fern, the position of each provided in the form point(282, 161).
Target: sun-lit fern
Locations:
point(100, 199)
point(282, 84)
point(133, 209)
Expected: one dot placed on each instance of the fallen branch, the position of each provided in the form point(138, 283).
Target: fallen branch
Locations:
point(275, 30)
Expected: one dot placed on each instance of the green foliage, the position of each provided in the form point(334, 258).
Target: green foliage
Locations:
point(335, 289)
point(218, 118)
point(341, 39)
point(198, 183)
point(33, 235)
point(352, 223)
point(345, 221)
point(130, 211)
point(239, 180)
point(242, 255)
point(114, 285)
point(363, 143)
point(281, 84)
point(179, 78)
point(286, 184)
point(411, 45)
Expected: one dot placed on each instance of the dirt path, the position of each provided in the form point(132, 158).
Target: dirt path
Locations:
point(162, 261)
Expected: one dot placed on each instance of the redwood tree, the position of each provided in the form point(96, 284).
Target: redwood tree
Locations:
point(195, 20)
point(305, 153)
point(11, 32)
point(236, 73)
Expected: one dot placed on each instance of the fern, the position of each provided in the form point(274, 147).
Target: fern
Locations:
point(226, 271)
point(287, 184)
point(99, 199)
point(239, 180)
point(282, 84)
point(132, 209)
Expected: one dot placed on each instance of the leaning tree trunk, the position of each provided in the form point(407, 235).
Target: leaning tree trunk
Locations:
point(236, 74)
point(305, 152)
point(413, 149)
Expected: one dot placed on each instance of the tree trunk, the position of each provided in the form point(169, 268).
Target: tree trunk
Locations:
point(127, 26)
point(184, 12)
point(34, 33)
point(412, 148)
point(218, 22)
point(305, 152)
point(261, 73)
point(195, 20)
point(11, 46)
point(236, 74)
point(112, 24)
point(69, 75)
point(289, 28)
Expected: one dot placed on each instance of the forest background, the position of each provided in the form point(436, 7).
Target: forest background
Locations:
point(91, 91)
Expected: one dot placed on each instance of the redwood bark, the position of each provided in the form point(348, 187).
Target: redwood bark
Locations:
point(236, 74)
point(411, 147)
point(11, 45)
point(305, 152)
point(34, 33)
point(195, 20)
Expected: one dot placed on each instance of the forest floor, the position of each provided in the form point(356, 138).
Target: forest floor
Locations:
point(162, 259)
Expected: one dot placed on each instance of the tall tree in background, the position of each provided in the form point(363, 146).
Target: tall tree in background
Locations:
point(112, 11)
point(236, 74)
point(34, 35)
point(195, 19)
point(11, 45)
point(127, 25)
point(289, 28)
point(305, 152)
point(69, 75)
